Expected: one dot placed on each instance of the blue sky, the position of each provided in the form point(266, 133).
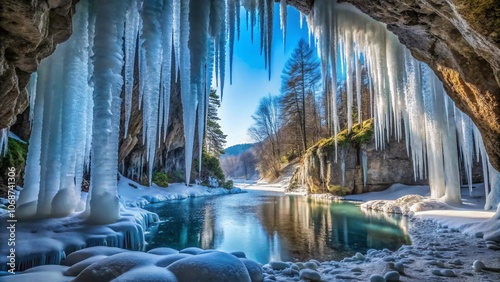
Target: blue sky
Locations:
point(250, 79)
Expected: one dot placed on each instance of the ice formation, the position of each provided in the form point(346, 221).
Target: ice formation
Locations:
point(186, 40)
point(407, 98)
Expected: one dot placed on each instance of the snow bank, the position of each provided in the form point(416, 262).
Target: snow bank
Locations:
point(106, 264)
point(49, 241)
point(133, 194)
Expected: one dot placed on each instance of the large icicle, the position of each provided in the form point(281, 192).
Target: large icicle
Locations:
point(4, 141)
point(108, 64)
point(151, 36)
point(283, 18)
point(131, 30)
point(166, 67)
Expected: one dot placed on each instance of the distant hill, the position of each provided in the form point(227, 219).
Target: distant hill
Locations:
point(235, 150)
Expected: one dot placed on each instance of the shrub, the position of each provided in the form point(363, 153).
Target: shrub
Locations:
point(228, 184)
point(160, 179)
point(176, 176)
point(339, 190)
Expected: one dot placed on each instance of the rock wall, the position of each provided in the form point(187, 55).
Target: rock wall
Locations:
point(321, 173)
point(29, 32)
point(460, 41)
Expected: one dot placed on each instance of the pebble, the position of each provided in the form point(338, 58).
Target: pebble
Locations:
point(399, 267)
point(295, 267)
point(479, 234)
point(456, 262)
point(392, 276)
point(290, 272)
point(309, 274)
point(278, 265)
point(377, 278)
point(356, 269)
point(437, 272)
point(311, 265)
point(300, 265)
point(389, 258)
point(359, 256)
point(448, 273)
point(239, 254)
point(478, 265)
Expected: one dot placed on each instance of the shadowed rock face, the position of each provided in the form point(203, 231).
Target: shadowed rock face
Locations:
point(458, 39)
point(29, 32)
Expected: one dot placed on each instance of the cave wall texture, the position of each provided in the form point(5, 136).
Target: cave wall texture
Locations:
point(458, 39)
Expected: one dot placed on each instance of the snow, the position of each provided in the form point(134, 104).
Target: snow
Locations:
point(49, 241)
point(106, 264)
point(133, 194)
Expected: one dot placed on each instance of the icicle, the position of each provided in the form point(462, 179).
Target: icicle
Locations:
point(283, 18)
point(108, 64)
point(358, 85)
point(176, 34)
point(269, 33)
point(32, 95)
point(364, 163)
point(4, 141)
point(231, 11)
point(151, 36)
point(131, 32)
point(166, 67)
point(188, 95)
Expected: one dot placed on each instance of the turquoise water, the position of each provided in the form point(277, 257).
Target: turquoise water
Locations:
point(273, 226)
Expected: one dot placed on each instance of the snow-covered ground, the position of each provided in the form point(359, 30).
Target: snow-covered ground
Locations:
point(133, 194)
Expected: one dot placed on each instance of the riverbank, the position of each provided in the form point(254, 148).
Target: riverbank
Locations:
point(446, 241)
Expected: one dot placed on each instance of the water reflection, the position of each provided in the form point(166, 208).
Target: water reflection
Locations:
point(270, 226)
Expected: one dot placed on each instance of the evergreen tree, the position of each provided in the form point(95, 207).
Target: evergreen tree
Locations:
point(300, 83)
point(215, 139)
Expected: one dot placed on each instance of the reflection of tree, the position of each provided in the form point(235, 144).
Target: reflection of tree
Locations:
point(312, 228)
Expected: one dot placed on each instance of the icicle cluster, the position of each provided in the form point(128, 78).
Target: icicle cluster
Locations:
point(408, 100)
point(4, 139)
point(169, 40)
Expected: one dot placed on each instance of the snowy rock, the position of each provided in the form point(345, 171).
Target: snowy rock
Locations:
point(111, 267)
point(78, 267)
point(191, 251)
point(290, 272)
point(478, 265)
point(399, 267)
point(437, 272)
point(239, 254)
point(356, 269)
point(479, 234)
point(163, 251)
point(147, 274)
point(278, 265)
point(456, 262)
point(392, 276)
point(216, 266)
point(448, 273)
point(254, 270)
point(389, 258)
point(311, 265)
point(300, 265)
point(309, 274)
point(377, 278)
point(359, 256)
point(84, 254)
point(169, 259)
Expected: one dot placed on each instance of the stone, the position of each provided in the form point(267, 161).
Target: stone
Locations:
point(478, 265)
point(163, 251)
point(191, 251)
point(448, 273)
point(392, 276)
point(310, 274)
point(311, 265)
point(359, 256)
point(389, 258)
point(254, 269)
point(278, 265)
point(239, 254)
point(377, 278)
point(399, 267)
point(216, 266)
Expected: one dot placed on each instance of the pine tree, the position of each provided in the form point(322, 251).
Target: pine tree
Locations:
point(215, 139)
point(300, 83)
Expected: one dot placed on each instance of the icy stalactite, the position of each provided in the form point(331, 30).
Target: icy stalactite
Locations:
point(166, 66)
point(283, 19)
point(131, 30)
point(364, 165)
point(177, 34)
point(108, 64)
point(188, 95)
point(151, 38)
point(4, 141)
point(269, 33)
point(358, 85)
point(402, 91)
point(493, 197)
point(32, 95)
point(232, 14)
